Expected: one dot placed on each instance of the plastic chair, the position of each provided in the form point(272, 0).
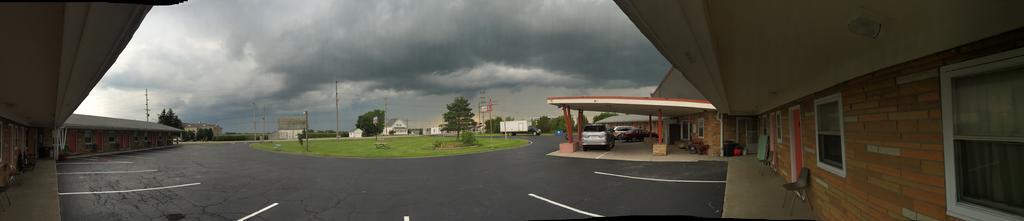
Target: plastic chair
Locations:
point(763, 153)
point(799, 189)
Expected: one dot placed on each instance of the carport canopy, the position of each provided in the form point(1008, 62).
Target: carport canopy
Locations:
point(633, 105)
point(650, 106)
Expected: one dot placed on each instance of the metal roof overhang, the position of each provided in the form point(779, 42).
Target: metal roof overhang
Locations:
point(748, 57)
point(53, 54)
point(669, 107)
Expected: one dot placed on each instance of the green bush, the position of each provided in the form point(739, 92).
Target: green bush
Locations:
point(236, 137)
point(468, 138)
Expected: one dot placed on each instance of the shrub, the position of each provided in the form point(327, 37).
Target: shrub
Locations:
point(468, 138)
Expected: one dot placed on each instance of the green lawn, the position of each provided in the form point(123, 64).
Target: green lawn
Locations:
point(399, 147)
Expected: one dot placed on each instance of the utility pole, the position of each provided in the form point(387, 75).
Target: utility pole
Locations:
point(263, 130)
point(305, 130)
point(146, 104)
point(337, 113)
point(254, 129)
point(384, 116)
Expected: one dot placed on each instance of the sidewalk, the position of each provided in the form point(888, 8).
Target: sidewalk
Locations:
point(34, 194)
point(751, 194)
point(119, 152)
point(638, 151)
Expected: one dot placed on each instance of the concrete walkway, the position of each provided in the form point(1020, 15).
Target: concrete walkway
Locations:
point(638, 151)
point(119, 152)
point(34, 194)
point(753, 192)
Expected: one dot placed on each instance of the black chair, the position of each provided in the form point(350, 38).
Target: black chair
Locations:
point(767, 162)
point(3, 190)
point(799, 189)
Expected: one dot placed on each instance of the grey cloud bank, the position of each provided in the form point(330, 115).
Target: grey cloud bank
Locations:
point(210, 60)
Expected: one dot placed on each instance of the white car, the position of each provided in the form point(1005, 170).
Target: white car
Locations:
point(597, 135)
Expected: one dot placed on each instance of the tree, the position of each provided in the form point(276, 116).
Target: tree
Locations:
point(543, 123)
point(604, 115)
point(557, 123)
point(583, 119)
point(365, 122)
point(205, 134)
point(167, 117)
point(493, 125)
point(459, 116)
point(189, 135)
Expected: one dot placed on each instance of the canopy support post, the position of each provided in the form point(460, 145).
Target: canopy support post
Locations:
point(661, 125)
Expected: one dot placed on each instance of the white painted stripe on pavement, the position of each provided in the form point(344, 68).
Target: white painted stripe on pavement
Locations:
point(258, 212)
point(126, 191)
point(661, 180)
point(104, 162)
point(564, 206)
point(406, 218)
point(147, 158)
point(106, 172)
point(602, 155)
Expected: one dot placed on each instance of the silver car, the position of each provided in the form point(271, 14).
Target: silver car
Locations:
point(597, 135)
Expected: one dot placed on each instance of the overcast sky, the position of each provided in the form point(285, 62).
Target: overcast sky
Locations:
point(211, 60)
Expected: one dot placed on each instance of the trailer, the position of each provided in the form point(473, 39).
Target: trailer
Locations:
point(518, 126)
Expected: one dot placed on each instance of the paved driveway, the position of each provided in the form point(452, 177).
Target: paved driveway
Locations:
point(232, 181)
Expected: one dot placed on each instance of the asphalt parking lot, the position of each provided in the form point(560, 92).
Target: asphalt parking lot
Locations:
point(233, 181)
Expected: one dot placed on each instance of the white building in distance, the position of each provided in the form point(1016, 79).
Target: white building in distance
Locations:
point(395, 127)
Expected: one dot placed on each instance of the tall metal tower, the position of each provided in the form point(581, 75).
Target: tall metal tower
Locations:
point(147, 105)
point(481, 104)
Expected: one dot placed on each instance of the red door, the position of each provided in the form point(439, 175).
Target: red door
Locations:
point(797, 152)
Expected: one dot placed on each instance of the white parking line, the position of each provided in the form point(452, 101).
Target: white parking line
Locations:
point(126, 191)
point(661, 180)
point(106, 172)
point(602, 155)
point(258, 212)
point(147, 158)
point(564, 206)
point(104, 162)
point(406, 218)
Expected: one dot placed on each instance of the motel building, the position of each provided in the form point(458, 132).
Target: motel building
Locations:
point(86, 134)
point(896, 110)
point(49, 66)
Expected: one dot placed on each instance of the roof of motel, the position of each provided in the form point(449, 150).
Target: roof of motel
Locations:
point(633, 105)
point(624, 119)
point(81, 121)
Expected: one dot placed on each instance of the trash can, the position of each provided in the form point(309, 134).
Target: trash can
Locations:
point(728, 148)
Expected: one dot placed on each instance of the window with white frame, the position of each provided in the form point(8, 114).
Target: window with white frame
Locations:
point(87, 136)
point(983, 136)
point(700, 127)
point(828, 117)
point(778, 127)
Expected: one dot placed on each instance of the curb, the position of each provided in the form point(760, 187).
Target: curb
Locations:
point(120, 152)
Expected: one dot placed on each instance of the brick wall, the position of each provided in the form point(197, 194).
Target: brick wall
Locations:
point(893, 138)
point(711, 130)
point(27, 143)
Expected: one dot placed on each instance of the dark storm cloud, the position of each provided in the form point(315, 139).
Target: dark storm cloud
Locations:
point(211, 60)
point(396, 43)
